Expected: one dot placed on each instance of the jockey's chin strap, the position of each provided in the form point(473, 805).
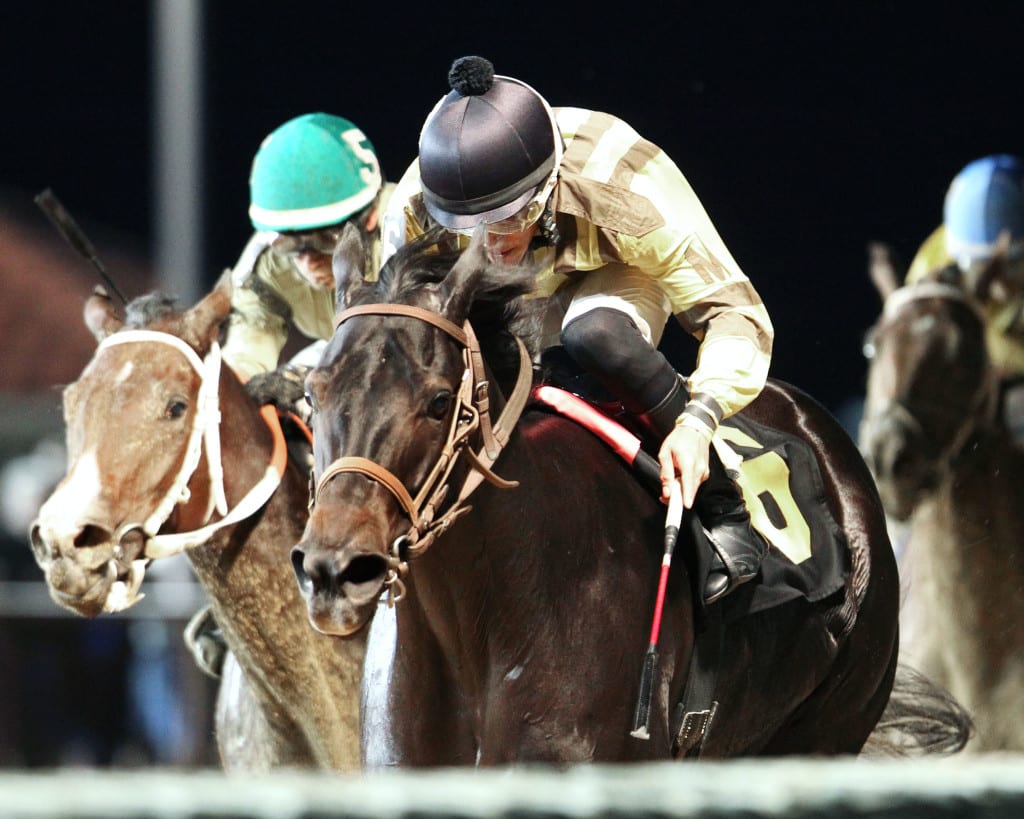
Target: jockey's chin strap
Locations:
point(982, 405)
point(471, 413)
point(205, 429)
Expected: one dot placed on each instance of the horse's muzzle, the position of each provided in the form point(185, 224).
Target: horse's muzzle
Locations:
point(84, 564)
point(340, 586)
point(898, 459)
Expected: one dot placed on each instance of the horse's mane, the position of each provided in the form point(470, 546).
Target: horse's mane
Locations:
point(143, 310)
point(497, 309)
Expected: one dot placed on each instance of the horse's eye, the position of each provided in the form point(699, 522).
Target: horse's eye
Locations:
point(310, 400)
point(175, 409)
point(439, 405)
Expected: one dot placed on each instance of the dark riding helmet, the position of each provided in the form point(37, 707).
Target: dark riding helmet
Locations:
point(487, 147)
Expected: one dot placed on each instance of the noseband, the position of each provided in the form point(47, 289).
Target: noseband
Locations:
point(471, 414)
point(982, 403)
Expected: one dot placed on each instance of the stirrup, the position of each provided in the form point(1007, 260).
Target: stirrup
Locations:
point(736, 560)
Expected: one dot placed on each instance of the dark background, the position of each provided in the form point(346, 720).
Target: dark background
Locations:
point(807, 129)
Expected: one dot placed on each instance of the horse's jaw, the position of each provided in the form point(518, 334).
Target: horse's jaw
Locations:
point(89, 580)
point(327, 617)
point(94, 591)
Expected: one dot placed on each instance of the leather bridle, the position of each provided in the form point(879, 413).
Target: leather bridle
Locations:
point(471, 414)
point(982, 404)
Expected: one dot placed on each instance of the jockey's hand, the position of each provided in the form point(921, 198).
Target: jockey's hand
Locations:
point(283, 387)
point(684, 455)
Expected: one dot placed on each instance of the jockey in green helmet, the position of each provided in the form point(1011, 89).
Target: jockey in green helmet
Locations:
point(310, 176)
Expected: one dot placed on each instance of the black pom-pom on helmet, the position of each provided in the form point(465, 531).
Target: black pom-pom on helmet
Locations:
point(486, 148)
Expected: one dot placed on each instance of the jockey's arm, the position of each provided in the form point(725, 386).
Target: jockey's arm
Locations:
point(257, 330)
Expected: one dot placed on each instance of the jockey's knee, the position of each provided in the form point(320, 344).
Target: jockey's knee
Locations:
point(604, 340)
point(607, 343)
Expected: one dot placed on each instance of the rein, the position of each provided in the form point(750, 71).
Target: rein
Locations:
point(982, 404)
point(471, 414)
point(205, 430)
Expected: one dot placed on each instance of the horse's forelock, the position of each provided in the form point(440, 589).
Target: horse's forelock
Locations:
point(144, 310)
point(491, 300)
point(409, 271)
point(427, 261)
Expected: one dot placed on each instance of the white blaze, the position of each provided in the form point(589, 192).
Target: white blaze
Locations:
point(72, 502)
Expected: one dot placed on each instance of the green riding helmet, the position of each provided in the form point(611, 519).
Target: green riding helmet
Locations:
point(314, 171)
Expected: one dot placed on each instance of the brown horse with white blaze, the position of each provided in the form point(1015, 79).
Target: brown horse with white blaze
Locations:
point(168, 453)
point(524, 609)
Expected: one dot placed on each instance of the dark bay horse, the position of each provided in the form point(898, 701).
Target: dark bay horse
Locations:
point(521, 629)
point(167, 453)
point(946, 465)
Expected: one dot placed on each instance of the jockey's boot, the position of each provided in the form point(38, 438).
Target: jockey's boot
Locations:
point(737, 548)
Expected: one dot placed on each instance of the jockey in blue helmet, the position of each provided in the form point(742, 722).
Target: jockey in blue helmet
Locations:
point(984, 206)
point(980, 245)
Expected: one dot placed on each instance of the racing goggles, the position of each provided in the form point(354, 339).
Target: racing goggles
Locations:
point(321, 241)
point(516, 223)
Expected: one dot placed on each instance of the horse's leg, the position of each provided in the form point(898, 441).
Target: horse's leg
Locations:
point(246, 740)
point(840, 714)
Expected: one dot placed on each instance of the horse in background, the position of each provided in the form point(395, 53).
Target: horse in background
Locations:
point(521, 629)
point(168, 453)
point(950, 474)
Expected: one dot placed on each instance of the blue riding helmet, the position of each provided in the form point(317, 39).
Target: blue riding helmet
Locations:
point(985, 199)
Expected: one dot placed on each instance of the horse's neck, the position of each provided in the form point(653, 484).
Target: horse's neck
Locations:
point(987, 449)
point(469, 581)
point(253, 553)
point(976, 500)
point(246, 442)
point(297, 675)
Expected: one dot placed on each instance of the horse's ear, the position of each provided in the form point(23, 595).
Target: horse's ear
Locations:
point(882, 268)
point(460, 284)
point(99, 314)
point(348, 264)
point(203, 322)
point(476, 279)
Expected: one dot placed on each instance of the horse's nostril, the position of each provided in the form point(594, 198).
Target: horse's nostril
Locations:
point(303, 578)
point(905, 464)
point(364, 569)
point(92, 536)
point(132, 544)
point(39, 547)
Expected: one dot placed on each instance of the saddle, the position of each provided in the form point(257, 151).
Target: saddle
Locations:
point(781, 485)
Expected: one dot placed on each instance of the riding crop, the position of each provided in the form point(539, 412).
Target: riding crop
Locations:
point(673, 518)
point(75, 236)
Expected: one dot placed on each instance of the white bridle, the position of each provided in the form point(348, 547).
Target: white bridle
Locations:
point(205, 430)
